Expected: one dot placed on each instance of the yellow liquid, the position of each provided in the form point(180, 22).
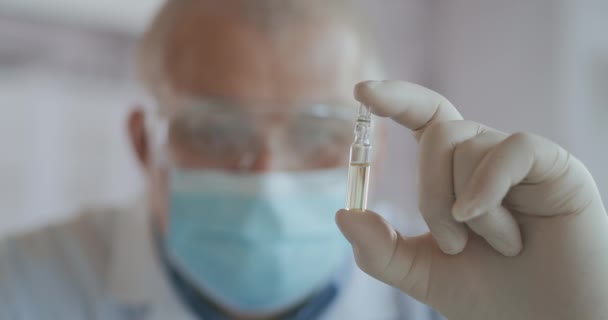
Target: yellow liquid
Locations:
point(358, 182)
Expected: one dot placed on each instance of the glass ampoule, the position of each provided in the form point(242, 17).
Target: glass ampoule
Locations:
point(359, 163)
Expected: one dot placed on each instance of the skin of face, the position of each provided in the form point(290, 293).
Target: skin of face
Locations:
point(219, 54)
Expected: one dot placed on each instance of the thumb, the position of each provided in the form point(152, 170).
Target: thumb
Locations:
point(386, 255)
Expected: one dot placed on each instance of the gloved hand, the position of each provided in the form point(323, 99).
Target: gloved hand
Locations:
point(518, 227)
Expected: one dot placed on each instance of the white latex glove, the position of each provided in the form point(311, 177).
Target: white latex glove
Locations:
point(503, 188)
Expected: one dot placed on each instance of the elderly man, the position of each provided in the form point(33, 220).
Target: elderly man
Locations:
point(245, 155)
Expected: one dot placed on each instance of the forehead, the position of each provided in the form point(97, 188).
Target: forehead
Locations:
point(219, 54)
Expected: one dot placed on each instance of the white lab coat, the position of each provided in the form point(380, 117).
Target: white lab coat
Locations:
point(103, 265)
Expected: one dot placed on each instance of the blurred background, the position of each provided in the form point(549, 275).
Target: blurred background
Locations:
point(67, 83)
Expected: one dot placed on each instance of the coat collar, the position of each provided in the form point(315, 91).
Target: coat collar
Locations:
point(135, 278)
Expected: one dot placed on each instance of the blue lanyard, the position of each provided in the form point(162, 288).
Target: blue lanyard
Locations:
point(204, 310)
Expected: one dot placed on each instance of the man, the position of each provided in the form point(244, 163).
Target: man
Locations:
point(245, 157)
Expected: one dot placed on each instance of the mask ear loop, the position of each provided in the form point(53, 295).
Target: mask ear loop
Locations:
point(157, 128)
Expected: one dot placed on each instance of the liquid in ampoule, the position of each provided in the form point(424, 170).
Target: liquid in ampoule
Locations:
point(358, 182)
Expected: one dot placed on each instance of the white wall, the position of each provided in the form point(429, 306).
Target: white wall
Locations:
point(125, 16)
point(585, 85)
point(64, 94)
point(537, 66)
point(401, 30)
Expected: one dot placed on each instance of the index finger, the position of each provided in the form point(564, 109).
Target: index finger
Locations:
point(409, 104)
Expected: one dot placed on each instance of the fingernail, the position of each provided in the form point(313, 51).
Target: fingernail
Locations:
point(366, 85)
point(511, 244)
point(447, 248)
point(465, 212)
point(507, 247)
point(372, 83)
point(448, 240)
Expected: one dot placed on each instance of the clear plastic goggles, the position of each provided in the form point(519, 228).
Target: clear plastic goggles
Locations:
point(218, 135)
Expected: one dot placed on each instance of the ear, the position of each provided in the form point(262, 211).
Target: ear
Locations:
point(138, 136)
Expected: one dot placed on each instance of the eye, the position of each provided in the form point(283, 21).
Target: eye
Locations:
point(211, 134)
point(318, 134)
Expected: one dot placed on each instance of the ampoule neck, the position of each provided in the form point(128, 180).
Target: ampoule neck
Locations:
point(362, 133)
point(365, 113)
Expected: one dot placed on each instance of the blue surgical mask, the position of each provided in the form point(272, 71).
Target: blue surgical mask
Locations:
point(256, 243)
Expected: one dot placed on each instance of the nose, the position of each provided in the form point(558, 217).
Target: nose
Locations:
point(261, 161)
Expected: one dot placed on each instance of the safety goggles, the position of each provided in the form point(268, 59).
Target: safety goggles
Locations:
point(216, 134)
